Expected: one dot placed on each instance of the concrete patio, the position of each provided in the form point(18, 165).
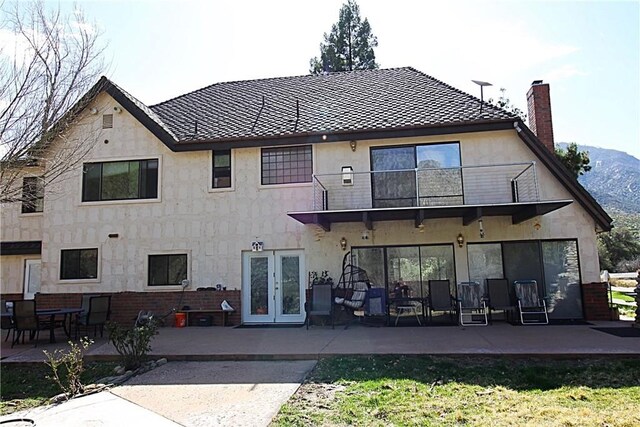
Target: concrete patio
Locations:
point(229, 343)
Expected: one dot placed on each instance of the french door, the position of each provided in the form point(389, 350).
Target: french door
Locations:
point(31, 278)
point(273, 287)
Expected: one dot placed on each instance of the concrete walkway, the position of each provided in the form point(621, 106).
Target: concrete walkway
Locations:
point(241, 377)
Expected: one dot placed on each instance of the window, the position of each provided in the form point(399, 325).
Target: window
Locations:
point(438, 181)
point(221, 169)
point(167, 270)
point(286, 165)
point(136, 179)
point(32, 194)
point(107, 121)
point(79, 264)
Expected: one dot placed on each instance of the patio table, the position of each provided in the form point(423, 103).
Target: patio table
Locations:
point(52, 314)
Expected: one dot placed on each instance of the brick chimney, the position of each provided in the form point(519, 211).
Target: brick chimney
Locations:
point(539, 103)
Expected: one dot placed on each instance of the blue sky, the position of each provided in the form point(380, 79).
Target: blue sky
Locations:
point(589, 52)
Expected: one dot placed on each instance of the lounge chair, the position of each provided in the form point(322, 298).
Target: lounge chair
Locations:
point(321, 303)
point(499, 298)
point(440, 298)
point(472, 309)
point(532, 308)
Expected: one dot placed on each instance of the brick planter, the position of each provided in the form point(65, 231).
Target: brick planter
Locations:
point(595, 301)
point(125, 306)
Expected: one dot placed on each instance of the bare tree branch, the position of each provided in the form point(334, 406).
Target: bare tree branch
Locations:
point(49, 63)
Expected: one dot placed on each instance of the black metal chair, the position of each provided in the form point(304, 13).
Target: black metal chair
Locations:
point(97, 315)
point(7, 319)
point(440, 298)
point(499, 298)
point(25, 320)
point(321, 303)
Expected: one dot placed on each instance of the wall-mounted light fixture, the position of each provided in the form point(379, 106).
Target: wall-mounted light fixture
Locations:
point(353, 144)
point(113, 235)
point(460, 239)
point(481, 228)
point(343, 244)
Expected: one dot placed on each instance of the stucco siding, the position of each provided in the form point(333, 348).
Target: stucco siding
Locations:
point(214, 227)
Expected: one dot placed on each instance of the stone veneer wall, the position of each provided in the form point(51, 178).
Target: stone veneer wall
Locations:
point(125, 306)
point(595, 301)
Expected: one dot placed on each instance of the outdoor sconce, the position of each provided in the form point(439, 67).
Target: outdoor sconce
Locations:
point(343, 244)
point(481, 228)
point(460, 239)
point(353, 144)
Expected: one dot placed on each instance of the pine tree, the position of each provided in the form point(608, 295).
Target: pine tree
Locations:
point(349, 45)
point(576, 162)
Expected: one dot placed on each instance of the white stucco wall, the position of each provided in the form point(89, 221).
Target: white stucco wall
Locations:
point(215, 227)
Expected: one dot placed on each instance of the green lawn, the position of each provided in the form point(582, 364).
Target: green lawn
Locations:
point(26, 386)
point(622, 296)
point(398, 391)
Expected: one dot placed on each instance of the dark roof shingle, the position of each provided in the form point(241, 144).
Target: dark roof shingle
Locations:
point(339, 102)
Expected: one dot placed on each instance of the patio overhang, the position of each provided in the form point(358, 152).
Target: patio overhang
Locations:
point(519, 212)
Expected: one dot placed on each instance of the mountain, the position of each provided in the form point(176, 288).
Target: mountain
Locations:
point(614, 179)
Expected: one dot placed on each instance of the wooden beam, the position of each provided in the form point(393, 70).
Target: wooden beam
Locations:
point(367, 221)
point(419, 218)
point(472, 215)
point(322, 222)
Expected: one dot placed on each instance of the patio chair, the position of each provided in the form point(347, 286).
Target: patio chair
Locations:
point(25, 320)
point(440, 298)
point(7, 319)
point(472, 309)
point(499, 298)
point(97, 315)
point(321, 303)
point(532, 308)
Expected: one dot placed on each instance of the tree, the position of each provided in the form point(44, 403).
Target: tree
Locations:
point(616, 246)
point(505, 103)
point(576, 162)
point(349, 46)
point(52, 60)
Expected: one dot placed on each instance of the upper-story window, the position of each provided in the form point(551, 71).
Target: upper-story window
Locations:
point(427, 175)
point(287, 165)
point(121, 180)
point(32, 194)
point(79, 264)
point(221, 169)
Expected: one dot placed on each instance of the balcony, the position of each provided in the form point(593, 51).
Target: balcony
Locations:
point(468, 192)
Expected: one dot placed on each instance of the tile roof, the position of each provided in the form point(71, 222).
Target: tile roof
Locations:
point(367, 100)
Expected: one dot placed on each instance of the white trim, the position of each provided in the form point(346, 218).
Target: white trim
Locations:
point(148, 287)
point(79, 281)
point(158, 199)
point(210, 188)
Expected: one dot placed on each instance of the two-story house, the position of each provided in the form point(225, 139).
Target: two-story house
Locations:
point(253, 184)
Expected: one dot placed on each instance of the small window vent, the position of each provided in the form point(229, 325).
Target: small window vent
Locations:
point(107, 121)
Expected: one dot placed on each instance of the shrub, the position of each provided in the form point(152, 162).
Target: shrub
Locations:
point(67, 366)
point(134, 343)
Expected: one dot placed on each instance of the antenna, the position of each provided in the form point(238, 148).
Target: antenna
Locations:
point(482, 85)
point(258, 116)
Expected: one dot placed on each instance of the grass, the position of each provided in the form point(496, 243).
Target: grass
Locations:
point(622, 296)
point(399, 391)
point(26, 386)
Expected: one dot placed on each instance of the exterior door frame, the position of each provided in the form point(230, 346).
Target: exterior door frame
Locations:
point(32, 269)
point(274, 287)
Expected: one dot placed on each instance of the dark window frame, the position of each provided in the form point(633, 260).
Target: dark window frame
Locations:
point(32, 194)
point(411, 200)
point(286, 165)
point(75, 272)
point(148, 175)
point(221, 171)
point(166, 259)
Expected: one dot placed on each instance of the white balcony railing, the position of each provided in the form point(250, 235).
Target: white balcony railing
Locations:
point(421, 187)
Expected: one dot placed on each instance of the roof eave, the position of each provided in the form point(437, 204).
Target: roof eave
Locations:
point(582, 196)
point(340, 136)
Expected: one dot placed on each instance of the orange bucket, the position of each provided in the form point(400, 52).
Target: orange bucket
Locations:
point(181, 320)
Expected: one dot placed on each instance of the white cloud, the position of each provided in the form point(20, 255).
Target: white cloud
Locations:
point(563, 72)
